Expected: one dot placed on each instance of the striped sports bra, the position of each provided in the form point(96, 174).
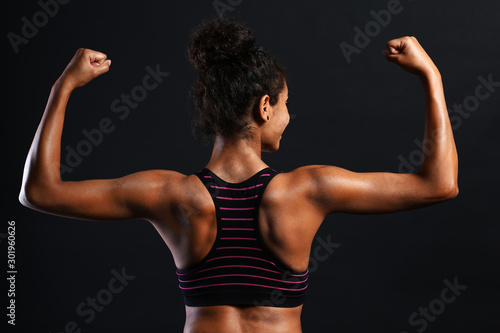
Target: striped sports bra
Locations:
point(239, 269)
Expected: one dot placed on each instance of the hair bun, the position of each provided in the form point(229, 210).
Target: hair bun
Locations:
point(219, 40)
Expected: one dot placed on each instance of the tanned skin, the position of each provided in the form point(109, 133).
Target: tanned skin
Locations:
point(293, 206)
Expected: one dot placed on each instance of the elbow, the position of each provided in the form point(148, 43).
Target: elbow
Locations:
point(39, 195)
point(32, 197)
point(446, 192)
point(439, 188)
point(23, 199)
point(452, 192)
point(28, 199)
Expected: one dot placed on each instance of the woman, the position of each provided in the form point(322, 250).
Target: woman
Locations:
point(240, 232)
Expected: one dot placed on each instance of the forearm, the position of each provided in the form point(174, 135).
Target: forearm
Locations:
point(439, 165)
point(42, 167)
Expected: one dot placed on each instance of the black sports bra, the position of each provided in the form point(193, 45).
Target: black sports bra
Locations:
point(239, 269)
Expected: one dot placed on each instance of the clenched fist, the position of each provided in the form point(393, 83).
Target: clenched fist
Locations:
point(407, 53)
point(84, 67)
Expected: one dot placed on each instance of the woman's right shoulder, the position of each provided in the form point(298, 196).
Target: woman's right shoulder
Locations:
point(299, 182)
point(310, 185)
point(308, 175)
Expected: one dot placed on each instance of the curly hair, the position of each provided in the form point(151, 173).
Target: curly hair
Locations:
point(233, 74)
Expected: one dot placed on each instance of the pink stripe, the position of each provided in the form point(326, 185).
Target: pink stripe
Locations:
point(238, 247)
point(246, 275)
point(207, 176)
point(236, 189)
point(244, 257)
point(247, 198)
point(246, 229)
point(244, 284)
point(228, 208)
point(237, 218)
point(307, 271)
point(239, 238)
point(231, 266)
point(242, 266)
point(265, 174)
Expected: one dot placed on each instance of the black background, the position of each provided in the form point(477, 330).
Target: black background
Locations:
point(361, 115)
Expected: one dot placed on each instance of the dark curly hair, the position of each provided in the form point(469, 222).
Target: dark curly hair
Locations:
point(233, 74)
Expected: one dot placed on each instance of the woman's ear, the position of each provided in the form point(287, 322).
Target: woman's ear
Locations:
point(264, 108)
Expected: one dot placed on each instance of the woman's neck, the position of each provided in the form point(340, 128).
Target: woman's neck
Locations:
point(236, 160)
